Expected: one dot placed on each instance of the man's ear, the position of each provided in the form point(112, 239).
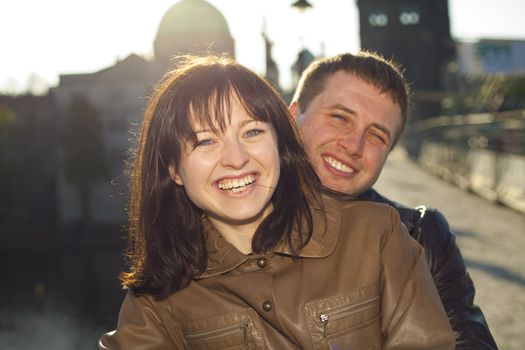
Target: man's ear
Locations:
point(174, 176)
point(294, 110)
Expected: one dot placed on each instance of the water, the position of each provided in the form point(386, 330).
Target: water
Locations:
point(62, 297)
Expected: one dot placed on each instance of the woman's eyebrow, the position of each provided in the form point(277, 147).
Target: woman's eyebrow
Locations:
point(251, 120)
point(201, 131)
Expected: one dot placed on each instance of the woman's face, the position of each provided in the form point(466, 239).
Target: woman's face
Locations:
point(231, 175)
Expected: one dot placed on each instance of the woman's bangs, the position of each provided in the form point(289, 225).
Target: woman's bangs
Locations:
point(252, 101)
point(213, 111)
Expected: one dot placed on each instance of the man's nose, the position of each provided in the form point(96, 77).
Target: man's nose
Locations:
point(234, 155)
point(352, 143)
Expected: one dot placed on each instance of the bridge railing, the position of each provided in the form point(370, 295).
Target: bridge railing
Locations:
point(484, 153)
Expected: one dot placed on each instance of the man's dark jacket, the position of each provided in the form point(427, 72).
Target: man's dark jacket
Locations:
point(456, 289)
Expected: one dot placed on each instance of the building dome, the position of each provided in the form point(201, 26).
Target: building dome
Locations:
point(192, 26)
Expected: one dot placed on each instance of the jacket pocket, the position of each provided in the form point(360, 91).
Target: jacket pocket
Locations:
point(347, 321)
point(236, 330)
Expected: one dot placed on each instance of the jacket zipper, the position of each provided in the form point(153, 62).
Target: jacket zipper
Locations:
point(340, 313)
point(244, 328)
point(221, 332)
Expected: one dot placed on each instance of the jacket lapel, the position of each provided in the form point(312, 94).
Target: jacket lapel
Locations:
point(223, 257)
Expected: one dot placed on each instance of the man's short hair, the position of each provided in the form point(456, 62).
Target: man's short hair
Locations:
point(371, 67)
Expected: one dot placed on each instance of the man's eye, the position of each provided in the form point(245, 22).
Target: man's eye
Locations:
point(253, 132)
point(378, 137)
point(338, 117)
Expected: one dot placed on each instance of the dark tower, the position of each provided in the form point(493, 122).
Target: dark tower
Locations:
point(272, 71)
point(416, 34)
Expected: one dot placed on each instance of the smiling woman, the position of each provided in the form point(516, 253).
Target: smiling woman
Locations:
point(233, 246)
point(212, 124)
point(231, 173)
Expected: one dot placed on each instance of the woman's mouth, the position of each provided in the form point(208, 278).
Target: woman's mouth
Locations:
point(236, 185)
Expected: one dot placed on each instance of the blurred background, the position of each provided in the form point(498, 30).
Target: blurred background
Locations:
point(74, 80)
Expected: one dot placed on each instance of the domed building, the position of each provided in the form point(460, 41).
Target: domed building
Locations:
point(118, 94)
point(192, 26)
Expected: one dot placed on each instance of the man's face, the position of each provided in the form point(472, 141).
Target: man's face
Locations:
point(348, 131)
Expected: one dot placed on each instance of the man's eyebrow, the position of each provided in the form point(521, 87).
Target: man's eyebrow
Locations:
point(343, 108)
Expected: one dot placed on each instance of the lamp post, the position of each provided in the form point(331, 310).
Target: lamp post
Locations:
point(303, 59)
point(302, 5)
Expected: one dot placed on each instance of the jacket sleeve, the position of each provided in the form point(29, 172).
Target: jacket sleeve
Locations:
point(140, 328)
point(453, 282)
point(412, 313)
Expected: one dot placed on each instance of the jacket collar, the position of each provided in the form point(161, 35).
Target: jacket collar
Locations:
point(223, 257)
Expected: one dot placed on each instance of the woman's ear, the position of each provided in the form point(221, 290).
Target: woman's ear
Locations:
point(174, 176)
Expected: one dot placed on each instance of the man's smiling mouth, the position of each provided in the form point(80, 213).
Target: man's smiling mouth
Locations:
point(334, 163)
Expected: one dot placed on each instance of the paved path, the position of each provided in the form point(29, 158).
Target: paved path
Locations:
point(491, 239)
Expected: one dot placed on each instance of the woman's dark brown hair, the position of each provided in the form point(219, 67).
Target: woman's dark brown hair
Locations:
point(166, 236)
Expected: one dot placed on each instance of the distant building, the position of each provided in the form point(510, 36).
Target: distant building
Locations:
point(487, 76)
point(119, 93)
point(28, 202)
point(491, 56)
point(415, 34)
point(192, 26)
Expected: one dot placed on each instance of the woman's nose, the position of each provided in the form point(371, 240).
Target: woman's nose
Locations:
point(234, 155)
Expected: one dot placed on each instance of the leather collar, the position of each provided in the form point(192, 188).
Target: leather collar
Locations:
point(223, 257)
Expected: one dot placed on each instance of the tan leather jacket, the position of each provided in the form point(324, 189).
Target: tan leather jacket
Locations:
point(361, 283)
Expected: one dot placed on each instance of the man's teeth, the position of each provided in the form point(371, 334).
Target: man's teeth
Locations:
point(237, 185)
point(334, 163)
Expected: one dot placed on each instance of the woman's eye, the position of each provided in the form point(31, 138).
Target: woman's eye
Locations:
point(253, 132)
point(204, 142)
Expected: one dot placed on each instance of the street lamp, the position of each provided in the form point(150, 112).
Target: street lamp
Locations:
point(302, 5)
point(304, 57)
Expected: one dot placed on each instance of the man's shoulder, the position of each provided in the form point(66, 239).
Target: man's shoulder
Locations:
point(420, 221)
point(434, 218)
point(373, 196)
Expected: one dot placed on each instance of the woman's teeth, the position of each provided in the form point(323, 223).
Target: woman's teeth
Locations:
point(236, 185)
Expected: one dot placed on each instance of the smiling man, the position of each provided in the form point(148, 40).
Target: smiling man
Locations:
point(348, 130)
point(351, 111)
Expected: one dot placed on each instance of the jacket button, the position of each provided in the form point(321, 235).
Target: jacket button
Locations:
point(267, 306)
point(261, 263)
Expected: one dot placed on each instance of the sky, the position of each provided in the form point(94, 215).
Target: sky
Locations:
point(39, 40)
